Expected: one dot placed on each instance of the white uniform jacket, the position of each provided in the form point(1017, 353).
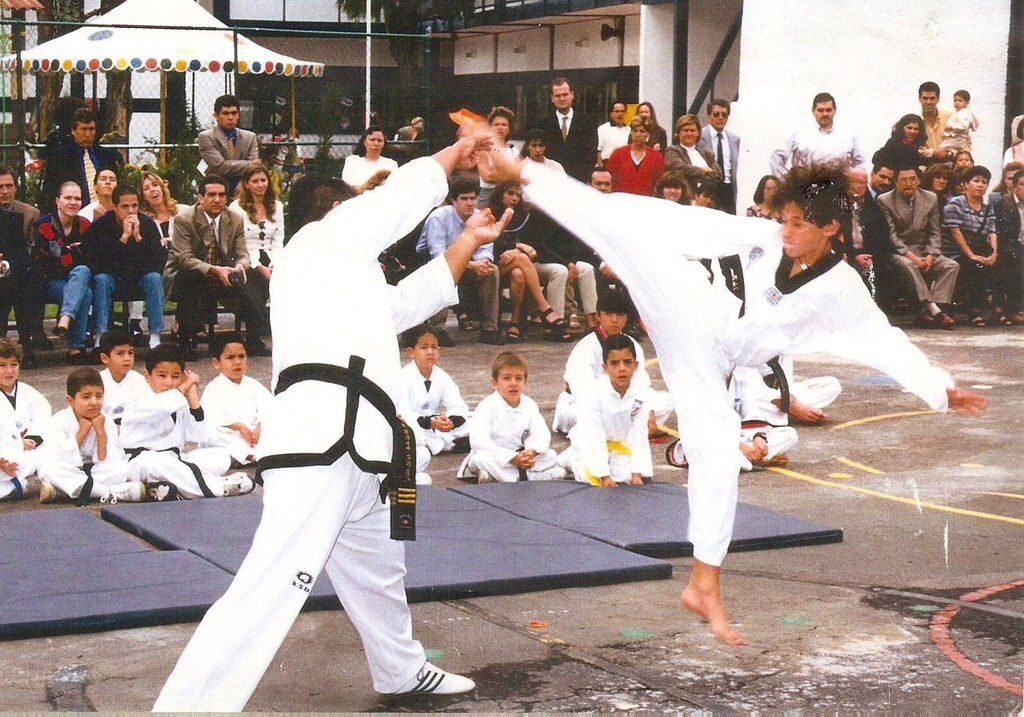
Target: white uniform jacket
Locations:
point(117, 396)
point(158, 421)
point(602, 416)
point(504, 431)
point(60, 445)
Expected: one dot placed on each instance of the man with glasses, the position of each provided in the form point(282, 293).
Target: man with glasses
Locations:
point(725, 146)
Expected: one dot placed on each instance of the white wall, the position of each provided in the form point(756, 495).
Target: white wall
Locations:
point(656, 50)
point(709, 22)
point(872, 55)
point(535, 54)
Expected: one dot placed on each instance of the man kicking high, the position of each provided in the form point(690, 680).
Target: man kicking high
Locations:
point(332, 432)
point(792, 295)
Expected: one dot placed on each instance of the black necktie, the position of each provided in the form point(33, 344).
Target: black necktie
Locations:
point(720, 156)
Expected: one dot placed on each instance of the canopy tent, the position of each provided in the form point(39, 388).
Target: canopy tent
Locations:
point(97, 47)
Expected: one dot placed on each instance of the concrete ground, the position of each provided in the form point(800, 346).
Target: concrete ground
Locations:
point(932, 507)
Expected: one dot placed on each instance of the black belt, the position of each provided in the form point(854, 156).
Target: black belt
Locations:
point(777, 380)
point(134, 453)
point(400, 481)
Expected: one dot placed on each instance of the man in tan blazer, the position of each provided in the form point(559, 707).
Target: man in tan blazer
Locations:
point(209, 258)
point(912, 214)
point(225, 148)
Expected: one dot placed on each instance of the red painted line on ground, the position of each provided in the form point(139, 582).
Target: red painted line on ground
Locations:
point(939, 631)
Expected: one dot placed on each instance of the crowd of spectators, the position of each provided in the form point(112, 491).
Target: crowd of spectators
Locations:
point(929, 231)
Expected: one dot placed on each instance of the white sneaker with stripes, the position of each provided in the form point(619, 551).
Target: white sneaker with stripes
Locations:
point(432, 680)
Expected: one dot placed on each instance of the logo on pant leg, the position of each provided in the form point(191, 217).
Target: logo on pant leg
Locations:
point(303, 581)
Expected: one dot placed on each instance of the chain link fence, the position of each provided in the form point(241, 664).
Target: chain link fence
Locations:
point(152, 103)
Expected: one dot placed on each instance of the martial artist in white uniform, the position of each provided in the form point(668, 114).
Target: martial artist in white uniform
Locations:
point(331, 516)
point(117, 395)
point(610, 435)
point(498, 432)
point(63, 462)
point(226, 403)
point(154, 432)
point(429, 398)
point(25, 415)
point(701, 334)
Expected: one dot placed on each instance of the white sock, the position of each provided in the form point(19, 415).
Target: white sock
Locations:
point(933, 308)
point(154, 340)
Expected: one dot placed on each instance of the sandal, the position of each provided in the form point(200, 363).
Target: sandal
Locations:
point(979, 321)
point(1000, 317)
point(466, 323)
point(556, 328)
point(513, 335)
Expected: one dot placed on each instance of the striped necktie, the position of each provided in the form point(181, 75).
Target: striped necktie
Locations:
point(90, 170)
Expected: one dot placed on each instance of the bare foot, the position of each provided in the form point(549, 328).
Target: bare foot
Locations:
point(608, 482)
point(710, 608)
point(778, 461)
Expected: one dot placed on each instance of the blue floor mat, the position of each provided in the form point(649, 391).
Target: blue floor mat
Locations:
point(65, 533)
point(650, 520)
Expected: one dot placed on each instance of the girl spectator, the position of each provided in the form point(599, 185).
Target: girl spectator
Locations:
point(697, 164)
point(938, 179)
point(60, 260)
point(969, 236)
point(963, 160)
point(636, 168)
point(673, 187)
point(516, 261)
point(157, 203)
point(501, 120)
point(366, 160)
point(657, 138)
point(905, 144)
point(262, 216)
point(534, 149)
point(764, 199)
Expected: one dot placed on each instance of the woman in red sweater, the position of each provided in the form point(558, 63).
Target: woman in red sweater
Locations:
point(636, 168)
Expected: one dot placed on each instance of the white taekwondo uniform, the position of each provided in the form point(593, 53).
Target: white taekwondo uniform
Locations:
point(699, 334)
point(326, 515)
point(23, 415)
point(427, 397)
point(118, 394)
point(226, 403)
point(610, 435)
point(585, 366)
point(154, 431)
point(499, 431)
point(72, 468)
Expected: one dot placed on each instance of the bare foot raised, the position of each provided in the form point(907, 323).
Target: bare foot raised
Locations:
point(709, 607)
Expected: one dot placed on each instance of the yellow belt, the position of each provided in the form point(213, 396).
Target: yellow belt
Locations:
point(613, 447)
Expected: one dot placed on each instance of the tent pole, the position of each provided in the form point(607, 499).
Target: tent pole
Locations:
point(369, 40)
point(293, 132)
point(163, 118)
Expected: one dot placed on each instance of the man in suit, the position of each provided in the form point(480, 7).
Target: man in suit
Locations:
point(1010, 227)
point(15, 283)
point(31, 323)
point(78, 161)
point(225, 148)
point(209, 254)
point(912, 214)
point(570, 135)
point(725, 147)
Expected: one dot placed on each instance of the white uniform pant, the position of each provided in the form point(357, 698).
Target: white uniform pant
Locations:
point(659, 402)
point(312, 517)
point(545, 468)
point(619, 464)
point(27, 465)
point(817, 392)
point(681, 313)
point(231, 441)
point(154, 466)
point(780, 439)
point(70, 479)
point(438, 441)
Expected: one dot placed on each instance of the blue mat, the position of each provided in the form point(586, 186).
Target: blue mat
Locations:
point(650, 520)
point(464, 548)
point(92, 592)
point(65, 533)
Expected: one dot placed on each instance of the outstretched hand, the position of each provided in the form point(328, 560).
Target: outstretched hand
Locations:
point(968, 403)
point(504, 168)
point(474, 137)
point(484, 229)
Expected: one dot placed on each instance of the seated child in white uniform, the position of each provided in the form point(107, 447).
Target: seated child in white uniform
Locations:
point(122, 384)
point(508, 438)
point(609, 440)
point(24, 416)
point(234, 403)
point(156, 427)
point(585, 364)
point(81, 457)
point(432, 395)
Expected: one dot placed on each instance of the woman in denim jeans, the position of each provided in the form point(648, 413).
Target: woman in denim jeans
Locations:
point(60, 260)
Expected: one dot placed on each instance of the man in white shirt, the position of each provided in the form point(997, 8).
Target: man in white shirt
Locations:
point(819, 144)
point(725, 146)
point(612, 134)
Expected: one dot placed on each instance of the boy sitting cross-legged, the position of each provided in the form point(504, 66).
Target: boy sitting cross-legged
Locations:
point(157, 425)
